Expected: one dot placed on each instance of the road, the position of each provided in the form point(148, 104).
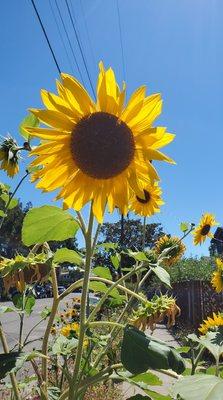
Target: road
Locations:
point(10, 322)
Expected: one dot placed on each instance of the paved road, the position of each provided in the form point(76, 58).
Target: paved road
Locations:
point(10, 322)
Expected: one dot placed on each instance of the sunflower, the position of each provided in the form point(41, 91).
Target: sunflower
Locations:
point(150, 203)
point(99, 150)
point(202, 231)
point(211, 324)
point(217, 277)
point(177, 249)
point(9, 156)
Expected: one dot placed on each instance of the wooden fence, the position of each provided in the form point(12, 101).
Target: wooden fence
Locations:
point(197, 300)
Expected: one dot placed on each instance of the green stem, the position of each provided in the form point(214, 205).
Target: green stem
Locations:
point(11, 197)
point(83, 307)
point(12, 375)
point(105, 323)
point(56, 300)
point(31, 330)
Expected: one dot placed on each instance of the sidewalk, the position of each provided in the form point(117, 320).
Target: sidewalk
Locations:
point(161, 333)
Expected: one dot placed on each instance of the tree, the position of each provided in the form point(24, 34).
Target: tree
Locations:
point(131, 238)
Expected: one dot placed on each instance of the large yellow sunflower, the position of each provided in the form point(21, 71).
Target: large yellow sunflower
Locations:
point(150, 203)
point(98, 151)
point(217, 277)
point(177, 249)
point(202, 231)
point(211, 324)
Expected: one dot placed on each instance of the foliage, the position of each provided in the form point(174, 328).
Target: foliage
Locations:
point(189, 269)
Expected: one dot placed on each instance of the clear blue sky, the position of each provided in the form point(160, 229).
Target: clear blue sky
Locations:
point(174, 47)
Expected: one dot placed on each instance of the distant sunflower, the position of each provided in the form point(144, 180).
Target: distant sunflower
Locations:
point(211, 324)
point(98, 151)
point(202, 231)
point(9, 156)
point(150, 203)
point(217, 277)
point(177, 249)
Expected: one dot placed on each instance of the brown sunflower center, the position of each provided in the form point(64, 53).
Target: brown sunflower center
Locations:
point(205, 230)
point(102, 146)
point(147, 197)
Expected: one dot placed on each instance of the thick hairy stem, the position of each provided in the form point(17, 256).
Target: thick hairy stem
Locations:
point(12, 375)
point(144, 234)
point(50, 323)
point(83, 306)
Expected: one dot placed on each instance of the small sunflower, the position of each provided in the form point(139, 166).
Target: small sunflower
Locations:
point(150, 203)
point(9, 156)
point(177, 249)
point(211, 324)
point(217, 277)
point(98, 151)
point(70, 329)
point(202, 231)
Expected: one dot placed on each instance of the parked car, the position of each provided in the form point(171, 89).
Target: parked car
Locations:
point(61, 289)
point(40, 292)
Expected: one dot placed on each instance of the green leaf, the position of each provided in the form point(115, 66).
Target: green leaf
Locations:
point(141, 352)
point(199, 387)
point(5, 197)
point(184, 226)
point(162, 274)
point(213, 342)
point(24, 357)
point(8, 362)
point(102, 272)
point(17, 300)
point(64, 346)
point(108, 245)
point(67, 255)
point(5, 309)
point(13, 203)
point(147, 377)
point(157, 396)
point(46, 312)
point(137, 255)
point(53, 393)
point(47, 223)
point(2, 214)
point(116, 260)
point(29, 304)
point(102, 288)
point(29, 121)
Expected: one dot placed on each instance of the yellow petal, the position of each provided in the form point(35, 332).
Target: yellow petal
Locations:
point(54, 119)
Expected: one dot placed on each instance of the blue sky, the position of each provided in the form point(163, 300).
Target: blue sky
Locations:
point(174, 47)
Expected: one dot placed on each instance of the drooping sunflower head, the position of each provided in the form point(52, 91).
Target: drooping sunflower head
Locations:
point(211, 324)
point(175, 246)
point(150, 203)
point(203, 230)
point(9, 156)
point(217, 276)
point(98, 151)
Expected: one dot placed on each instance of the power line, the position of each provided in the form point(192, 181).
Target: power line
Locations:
point(60, 34)
point(79, 45)
point(87, 31)
point(71, 47)
point(121, 40)
point(46, 36)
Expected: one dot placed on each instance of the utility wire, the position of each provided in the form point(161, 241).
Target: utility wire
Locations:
point(88, 35)
point(121, 40)
point(46, 36)
point(80, 47)
point(67, 36)
point(61, 36)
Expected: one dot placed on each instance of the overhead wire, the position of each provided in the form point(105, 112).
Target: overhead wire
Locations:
point(80, 46)
point(69, 41)
point(121, 41)
point(45, 34)
point(87, 32)
point(60, 34)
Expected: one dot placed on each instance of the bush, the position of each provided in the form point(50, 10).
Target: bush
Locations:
point(189, 269)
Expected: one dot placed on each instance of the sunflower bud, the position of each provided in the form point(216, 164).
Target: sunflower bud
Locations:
point(9, 156)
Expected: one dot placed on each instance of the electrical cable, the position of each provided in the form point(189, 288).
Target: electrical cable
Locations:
point(46, 36)
point(121, 41)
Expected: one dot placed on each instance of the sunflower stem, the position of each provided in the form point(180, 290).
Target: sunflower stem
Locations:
point(83, 308)
point(144, 234)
